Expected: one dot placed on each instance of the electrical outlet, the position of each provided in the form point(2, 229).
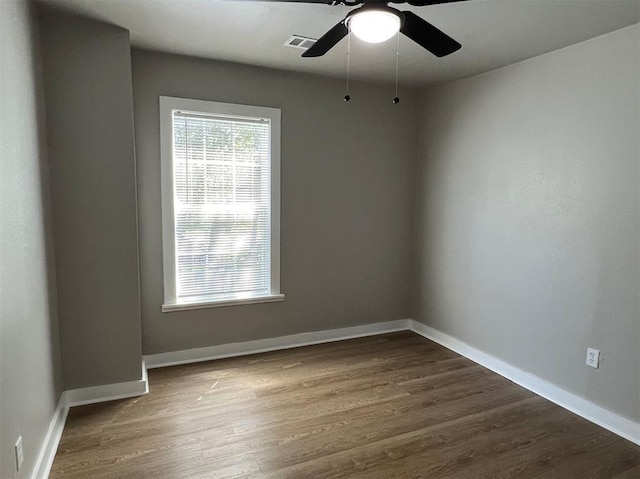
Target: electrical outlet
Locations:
point(19, 454)
point(593, 357)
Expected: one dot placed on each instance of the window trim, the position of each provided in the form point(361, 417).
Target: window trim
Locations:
point(167, 106)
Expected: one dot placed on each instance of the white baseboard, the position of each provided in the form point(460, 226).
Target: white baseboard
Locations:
point(615, 423)
point(51, 441)
point(108, 392)
point(174, 358)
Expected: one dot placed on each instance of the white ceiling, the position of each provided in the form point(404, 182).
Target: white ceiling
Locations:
point(493, 33)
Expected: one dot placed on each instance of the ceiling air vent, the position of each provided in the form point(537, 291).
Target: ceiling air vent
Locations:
point(297, 41)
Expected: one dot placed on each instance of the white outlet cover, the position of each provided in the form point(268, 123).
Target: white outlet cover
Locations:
point(593, 358)
point(19, 454)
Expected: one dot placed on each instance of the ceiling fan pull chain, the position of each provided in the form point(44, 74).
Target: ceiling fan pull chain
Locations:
point(396, 100)
point(347, 97)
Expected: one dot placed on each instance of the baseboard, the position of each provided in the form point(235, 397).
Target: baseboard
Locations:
point(609, 420)
point(244, 348)
point(108, 392)
point(51, 441)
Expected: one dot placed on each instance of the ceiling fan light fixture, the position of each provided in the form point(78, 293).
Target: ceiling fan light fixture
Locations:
point(374, 26)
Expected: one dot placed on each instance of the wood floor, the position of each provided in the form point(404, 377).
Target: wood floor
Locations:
point(389, 406)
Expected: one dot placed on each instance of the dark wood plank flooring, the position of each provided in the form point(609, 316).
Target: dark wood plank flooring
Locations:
point(388, 406)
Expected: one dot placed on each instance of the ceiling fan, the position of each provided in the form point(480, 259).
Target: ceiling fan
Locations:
point(374, 22)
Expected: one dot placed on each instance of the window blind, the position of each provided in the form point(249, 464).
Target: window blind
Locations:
point(221, 206)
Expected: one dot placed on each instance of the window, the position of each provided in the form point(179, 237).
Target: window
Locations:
point(220, 203)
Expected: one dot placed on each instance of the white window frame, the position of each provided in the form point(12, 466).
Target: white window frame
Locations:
point(167, 106)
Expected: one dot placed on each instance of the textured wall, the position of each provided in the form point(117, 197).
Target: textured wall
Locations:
point(347, 201)
point(30, 379)
point(528, 229)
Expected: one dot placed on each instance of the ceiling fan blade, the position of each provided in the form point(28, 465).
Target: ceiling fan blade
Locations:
point(327, 41)
point(428, 36)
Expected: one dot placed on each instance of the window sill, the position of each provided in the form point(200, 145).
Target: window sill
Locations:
point(272, 298)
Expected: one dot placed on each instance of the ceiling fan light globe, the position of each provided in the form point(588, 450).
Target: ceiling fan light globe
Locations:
point(374, 26)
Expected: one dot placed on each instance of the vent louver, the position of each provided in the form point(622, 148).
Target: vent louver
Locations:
point(302, 43)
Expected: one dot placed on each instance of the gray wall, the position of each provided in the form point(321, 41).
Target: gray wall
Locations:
point(528, 235)
point(30, 379)
point(348, 175)
point(90, 136)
